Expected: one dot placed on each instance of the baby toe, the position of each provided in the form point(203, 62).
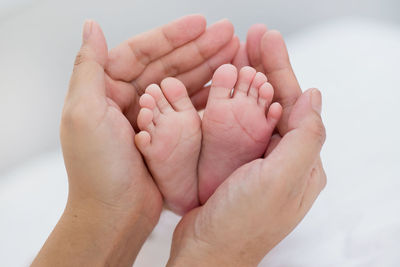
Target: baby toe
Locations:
point(176, 94)
point(266, 93)
point(258, 81)
point(223, 81)
point(246, 76)
point(161, 102)
point(145, 120)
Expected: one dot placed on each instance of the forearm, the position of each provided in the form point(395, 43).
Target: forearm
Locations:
point(91, 236)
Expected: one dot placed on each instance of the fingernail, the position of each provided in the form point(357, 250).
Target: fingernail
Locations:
point(87, 29)
point(316, 100)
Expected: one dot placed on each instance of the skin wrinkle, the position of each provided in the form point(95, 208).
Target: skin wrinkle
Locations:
point(140, 56)
point(210, 65)
point(168, 70)
point(171, 69)
point(169, 41)
point(211, 134)
point(203, 57)
point(174, 148)
point(144, 58)
point(309, 180)
point(210, 223)
point(247, 133)
point(284, 216)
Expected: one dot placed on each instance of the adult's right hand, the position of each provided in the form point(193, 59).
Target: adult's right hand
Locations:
point(261, 202)
point(265, 50)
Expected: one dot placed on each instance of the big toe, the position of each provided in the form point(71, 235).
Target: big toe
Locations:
point(176, 94)
point(223, 81)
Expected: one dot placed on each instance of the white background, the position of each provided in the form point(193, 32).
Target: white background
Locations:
point(348, 49)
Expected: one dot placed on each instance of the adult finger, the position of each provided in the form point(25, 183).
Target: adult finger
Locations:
point(241, 58)
point(301, 145)
point(188, 56)
point(130, 58)
point(275, 60)
point(125, 97)
point(253, 45)
point(87, 81)
point(195, 79)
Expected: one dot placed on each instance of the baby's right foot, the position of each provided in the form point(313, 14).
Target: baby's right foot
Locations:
point(236, 129)
point(170, 141)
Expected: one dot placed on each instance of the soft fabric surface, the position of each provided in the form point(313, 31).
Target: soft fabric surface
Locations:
point(355, 222)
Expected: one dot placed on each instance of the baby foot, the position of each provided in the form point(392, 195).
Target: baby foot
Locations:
point(170, 141)
point(236, 127)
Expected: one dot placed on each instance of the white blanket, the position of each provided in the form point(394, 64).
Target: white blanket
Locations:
point(355, 222)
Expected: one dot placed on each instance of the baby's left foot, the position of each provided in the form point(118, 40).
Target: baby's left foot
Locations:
point(170, 141)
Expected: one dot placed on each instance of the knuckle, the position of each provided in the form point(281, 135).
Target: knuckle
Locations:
point(80, 57)
point(318, 178)
point(317, 129)
point(73, 117)
point(142, 56)
point(170, 69)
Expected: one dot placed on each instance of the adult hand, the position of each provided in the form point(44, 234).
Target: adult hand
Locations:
point(261, 202)
point(266, 51)
point(184, 49)
point(113, 203)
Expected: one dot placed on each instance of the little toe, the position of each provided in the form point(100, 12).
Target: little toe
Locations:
point(265, 95)
point(223, 81)
point(176, 94)
point(142, 141)
point(246, 76)
point(161, 102)
point(145, 120)
point(274, 114)
point(258, 80)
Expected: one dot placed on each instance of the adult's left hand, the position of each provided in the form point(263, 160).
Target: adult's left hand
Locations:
point(184, 49)
point(113, 203)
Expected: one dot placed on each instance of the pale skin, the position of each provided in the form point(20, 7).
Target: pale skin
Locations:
point(152, 56)
point(169, 140)
point(261, 202)
point(234, 130)
point(113, 202)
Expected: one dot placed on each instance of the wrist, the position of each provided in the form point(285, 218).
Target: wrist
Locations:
point(190, 249)
point(210, 257)
point(115, 234)
point(90, 233)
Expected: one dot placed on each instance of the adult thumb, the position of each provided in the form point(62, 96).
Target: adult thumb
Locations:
point(301, 145)
point(88, 75)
